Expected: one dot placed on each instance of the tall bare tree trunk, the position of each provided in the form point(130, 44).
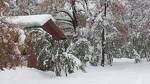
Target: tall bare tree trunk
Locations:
point(103, 48)
point(103, 40)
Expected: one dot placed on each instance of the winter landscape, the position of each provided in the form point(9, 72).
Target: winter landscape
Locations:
point(74, 41)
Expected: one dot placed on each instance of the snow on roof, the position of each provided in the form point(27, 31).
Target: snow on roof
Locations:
point(28, 21)
point(40, 1)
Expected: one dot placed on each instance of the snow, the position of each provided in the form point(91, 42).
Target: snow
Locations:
point(22, 37)
point(84, 31)
point(83, 40)
point(136, 53)
point(79, 6)
point(123, 71)
point(91, 6)
point(110, 35)
point(7, 5)
point(16, 50)
point(40, 1)
point(28, 21)
point(74, 58)
point(67, 6)
point(3, 8)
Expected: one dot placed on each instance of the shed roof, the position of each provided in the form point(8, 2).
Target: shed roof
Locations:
point(45, 21)
point(30, 20)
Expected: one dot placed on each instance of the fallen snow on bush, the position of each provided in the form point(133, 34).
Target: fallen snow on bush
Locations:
point(22, 37)
point(123, 71)
point(75, 59)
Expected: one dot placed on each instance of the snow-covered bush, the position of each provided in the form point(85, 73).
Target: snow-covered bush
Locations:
point(80, 49)
point(50, 53)
point(66, 63)
point(11, 46)
point(40, 44)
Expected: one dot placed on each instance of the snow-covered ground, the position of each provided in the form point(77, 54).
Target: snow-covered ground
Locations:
point(123, 71)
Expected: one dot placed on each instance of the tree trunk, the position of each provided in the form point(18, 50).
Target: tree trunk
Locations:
point(74, 12)
point(103, 39)
point(103, 49)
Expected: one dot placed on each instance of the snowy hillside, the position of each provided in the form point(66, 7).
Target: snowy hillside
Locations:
point(124, 71)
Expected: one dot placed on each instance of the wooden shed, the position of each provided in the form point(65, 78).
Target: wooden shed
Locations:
point(44, 21)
